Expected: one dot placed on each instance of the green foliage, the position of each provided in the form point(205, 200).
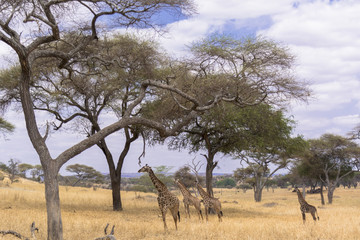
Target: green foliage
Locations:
point(226, 183)
point(4, 167)
point(244, 186)
point(329, 157)
point(5, 126)
point(85, 173)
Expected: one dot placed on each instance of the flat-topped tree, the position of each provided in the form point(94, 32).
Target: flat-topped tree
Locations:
point(253, 71)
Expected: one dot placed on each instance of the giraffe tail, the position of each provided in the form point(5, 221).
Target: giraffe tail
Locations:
point(179, 215)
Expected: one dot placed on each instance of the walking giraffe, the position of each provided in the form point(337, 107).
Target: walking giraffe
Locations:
point(209, 202)
point(166, 199)
point(189, 199)
point(305, 207)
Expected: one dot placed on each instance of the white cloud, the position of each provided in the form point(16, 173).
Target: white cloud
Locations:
point(325, 37)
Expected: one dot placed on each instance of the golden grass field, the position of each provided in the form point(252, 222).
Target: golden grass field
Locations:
point(86, 212)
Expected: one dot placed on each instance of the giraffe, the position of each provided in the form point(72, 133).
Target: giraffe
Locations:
point(305, 207)
point(209, 202)
point(166, 199)
point(189, 199)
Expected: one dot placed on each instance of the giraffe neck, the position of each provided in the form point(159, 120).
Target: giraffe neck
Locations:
point(183, 189)
point(202, 192)
point(157, 183)
point(300, 197)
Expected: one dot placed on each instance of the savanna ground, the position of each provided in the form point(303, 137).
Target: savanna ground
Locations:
point(86, 212)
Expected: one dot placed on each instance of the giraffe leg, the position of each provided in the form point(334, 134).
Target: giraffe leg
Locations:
point(206, 213)
point(186, 213)
point(188, 209)
point(313, 215)
point(163, 213)
point(199, 212)
point(219, 215)
point(175, 214)
point(304, 217)
point(163, 210)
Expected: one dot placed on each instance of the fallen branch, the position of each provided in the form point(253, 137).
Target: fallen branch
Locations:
point(18, 235)
point(108, 237)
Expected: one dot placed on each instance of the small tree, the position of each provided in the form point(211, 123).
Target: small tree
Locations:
point(84, 173)
point(336, 156)
point(13, 167)
point(184, 175)
point(225, 183)
point(37, 173)
point(23, 168)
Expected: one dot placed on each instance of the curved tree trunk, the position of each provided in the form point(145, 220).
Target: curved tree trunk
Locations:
point(50, 166)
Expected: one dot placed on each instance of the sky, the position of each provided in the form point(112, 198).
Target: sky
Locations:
point(323, 35)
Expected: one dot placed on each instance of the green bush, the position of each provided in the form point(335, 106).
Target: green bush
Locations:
point(226, 183)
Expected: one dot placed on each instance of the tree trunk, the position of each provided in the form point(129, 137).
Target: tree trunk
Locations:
point(209, 179)
point(210, 166)
point(330, 194)
point(116, 194)
point(322, 194)
point(258, 190)
point(115, 173)
point(303, 191)
point(257, 194)
point(54, 223)
point(51, 169)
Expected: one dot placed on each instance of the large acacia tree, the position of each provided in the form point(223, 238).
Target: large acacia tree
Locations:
point(100, 89)
point(264, 69)
point(38, 30)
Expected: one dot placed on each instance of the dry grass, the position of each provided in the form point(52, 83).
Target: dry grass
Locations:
point(85, 213)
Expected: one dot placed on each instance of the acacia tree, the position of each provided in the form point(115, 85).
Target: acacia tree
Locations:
point(308, 170)
point(336, 156)
point(84, 173)
point(24, 168)
point(267, 146)
point(82, 99)
point(263, 68)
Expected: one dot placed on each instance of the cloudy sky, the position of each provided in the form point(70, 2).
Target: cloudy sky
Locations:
point(324, 36)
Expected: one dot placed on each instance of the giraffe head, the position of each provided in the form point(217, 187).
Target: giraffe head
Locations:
point(145, 168)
